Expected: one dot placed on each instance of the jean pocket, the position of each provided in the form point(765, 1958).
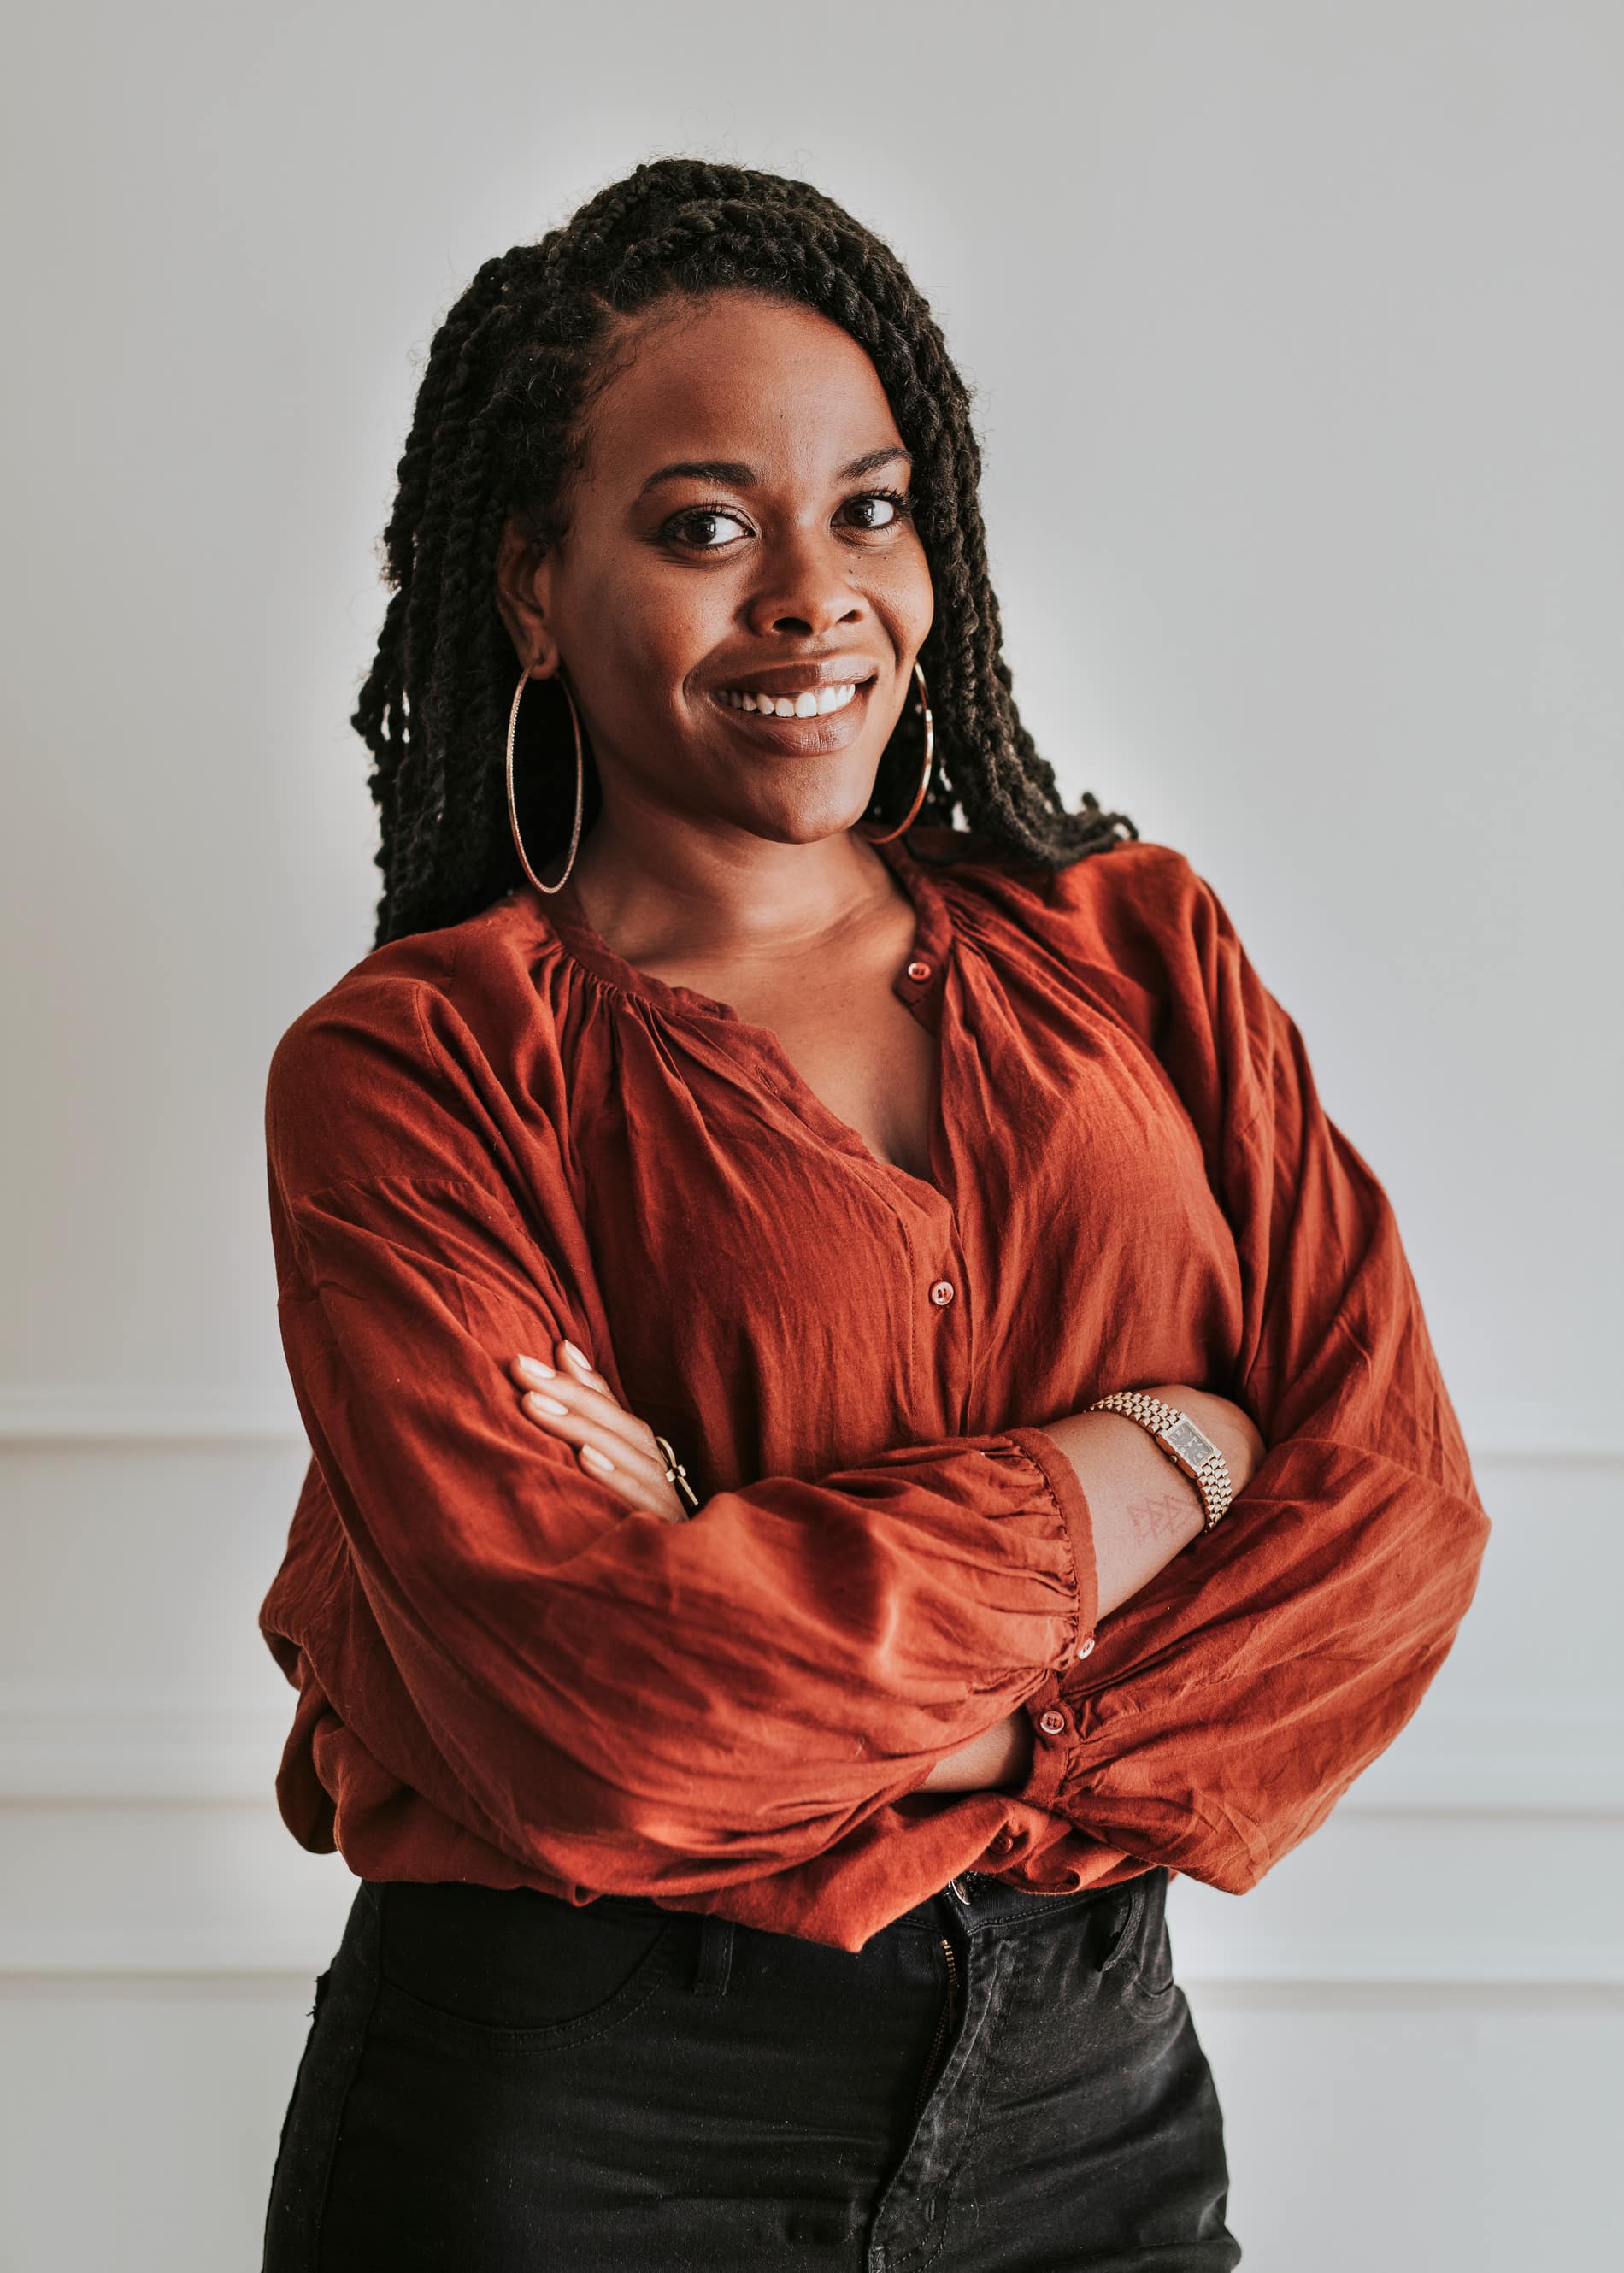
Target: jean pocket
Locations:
point(1144, 1958)
point(1120, 1928)
point(485, 1965)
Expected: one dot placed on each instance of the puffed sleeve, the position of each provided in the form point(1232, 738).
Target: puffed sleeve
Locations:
point(621, 1704)
point(1232, 1702)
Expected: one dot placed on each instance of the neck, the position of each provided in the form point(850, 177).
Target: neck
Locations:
point(679, 895)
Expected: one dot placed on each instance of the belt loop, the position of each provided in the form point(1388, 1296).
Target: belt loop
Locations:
point(716, 1962)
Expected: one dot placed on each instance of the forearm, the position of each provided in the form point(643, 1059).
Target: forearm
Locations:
point(1145, 1511)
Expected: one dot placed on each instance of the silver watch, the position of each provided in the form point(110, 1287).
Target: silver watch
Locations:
point(1185, 1445)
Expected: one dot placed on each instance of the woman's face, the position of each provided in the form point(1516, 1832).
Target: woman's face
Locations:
point(739, 528)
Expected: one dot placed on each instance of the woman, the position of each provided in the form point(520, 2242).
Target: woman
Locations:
point(761, 1691)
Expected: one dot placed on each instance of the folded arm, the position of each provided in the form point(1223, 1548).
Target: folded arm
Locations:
point(1234, 1698)
point(1143, 1511)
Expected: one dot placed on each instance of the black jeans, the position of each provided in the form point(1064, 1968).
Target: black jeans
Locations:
point(998, 2082)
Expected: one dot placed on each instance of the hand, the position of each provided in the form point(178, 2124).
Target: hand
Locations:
point(610, 1443)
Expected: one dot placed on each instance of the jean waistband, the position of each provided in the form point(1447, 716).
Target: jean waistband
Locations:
point(972, 1902)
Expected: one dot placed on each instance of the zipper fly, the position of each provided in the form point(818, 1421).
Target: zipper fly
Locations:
point(943, 2022)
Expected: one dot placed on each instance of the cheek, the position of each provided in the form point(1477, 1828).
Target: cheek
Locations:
point(640, 635)
point(909, 597)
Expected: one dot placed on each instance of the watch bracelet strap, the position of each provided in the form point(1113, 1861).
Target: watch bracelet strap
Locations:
point(1212, 1479)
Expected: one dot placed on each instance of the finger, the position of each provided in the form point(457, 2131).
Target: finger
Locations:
point(631, 1449)
point(631, 1470)
point(583, 1390)
point(575, 1395)
point(579, 1393)
point(575, 1362)
point(572, 1411)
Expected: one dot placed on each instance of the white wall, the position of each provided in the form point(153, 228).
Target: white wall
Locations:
point(1298, 344)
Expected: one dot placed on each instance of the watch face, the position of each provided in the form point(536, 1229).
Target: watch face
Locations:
point(1188, 1442)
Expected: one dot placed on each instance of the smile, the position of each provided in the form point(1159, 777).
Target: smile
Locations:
point(814, 702)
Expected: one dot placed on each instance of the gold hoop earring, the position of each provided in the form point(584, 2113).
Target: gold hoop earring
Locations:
point(924, 777)
point(580, 779)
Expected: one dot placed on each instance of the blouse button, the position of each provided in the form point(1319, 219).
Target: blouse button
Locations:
point(1051, 1723)
point(916, 970)
point(1083, 1647)
point(941, 1294)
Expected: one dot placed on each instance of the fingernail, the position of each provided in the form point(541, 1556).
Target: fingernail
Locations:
point(580, 1357)
point(535, 1370)
point(545, 1404)
point(590, 1453)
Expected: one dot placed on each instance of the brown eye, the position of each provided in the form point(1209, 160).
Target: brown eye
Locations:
point(705, 528)
point(877, 509)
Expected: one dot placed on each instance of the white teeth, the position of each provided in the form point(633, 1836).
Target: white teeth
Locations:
point(814, 704)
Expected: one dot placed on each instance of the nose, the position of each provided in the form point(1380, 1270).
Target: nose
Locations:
point(805, 587)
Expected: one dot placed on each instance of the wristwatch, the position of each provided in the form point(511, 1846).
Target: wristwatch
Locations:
point(1185, 1445)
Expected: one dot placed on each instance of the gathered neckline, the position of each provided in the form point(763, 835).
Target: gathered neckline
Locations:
point(586, 946)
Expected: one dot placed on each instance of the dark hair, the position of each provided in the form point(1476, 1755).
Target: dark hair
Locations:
point(499, 427)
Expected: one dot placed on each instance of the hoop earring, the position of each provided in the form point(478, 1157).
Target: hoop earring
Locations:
point(580, 776)
point(924, 777)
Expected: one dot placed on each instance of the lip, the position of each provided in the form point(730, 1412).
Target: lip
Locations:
point(803, 677)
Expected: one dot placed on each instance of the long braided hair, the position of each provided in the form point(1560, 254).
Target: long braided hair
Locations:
point(500, 428)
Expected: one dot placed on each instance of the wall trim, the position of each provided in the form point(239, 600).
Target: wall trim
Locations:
point(125, 1750)
point(76, 1746)
point(74, 1415)
point(118, 1953)
point(1589, 2000)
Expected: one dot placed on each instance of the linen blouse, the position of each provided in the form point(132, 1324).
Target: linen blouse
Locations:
point(488, 1136)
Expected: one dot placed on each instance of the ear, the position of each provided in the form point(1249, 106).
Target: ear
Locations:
point(524, 583)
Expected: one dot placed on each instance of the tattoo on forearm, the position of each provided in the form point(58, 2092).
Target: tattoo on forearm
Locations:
point(1160, 1515)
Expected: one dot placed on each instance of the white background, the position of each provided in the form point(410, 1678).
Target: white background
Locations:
point(1297, 338)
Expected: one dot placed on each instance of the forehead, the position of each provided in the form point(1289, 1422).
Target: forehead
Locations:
point(736, 376)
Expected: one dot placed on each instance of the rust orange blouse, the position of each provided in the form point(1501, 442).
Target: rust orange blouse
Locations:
point(487, 1136)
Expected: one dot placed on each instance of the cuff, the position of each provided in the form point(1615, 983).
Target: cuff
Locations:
point(1066, 1490)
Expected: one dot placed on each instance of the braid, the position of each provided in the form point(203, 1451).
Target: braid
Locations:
point(498, 427)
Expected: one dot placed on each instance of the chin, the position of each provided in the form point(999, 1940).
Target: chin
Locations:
point(809, 822)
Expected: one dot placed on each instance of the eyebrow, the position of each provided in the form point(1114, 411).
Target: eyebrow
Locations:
point(734, 474)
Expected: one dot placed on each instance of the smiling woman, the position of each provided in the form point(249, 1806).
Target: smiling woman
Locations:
point(862, 1414)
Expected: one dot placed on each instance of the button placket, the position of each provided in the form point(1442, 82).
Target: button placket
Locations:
point(946, 1297)
point(922, 972)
